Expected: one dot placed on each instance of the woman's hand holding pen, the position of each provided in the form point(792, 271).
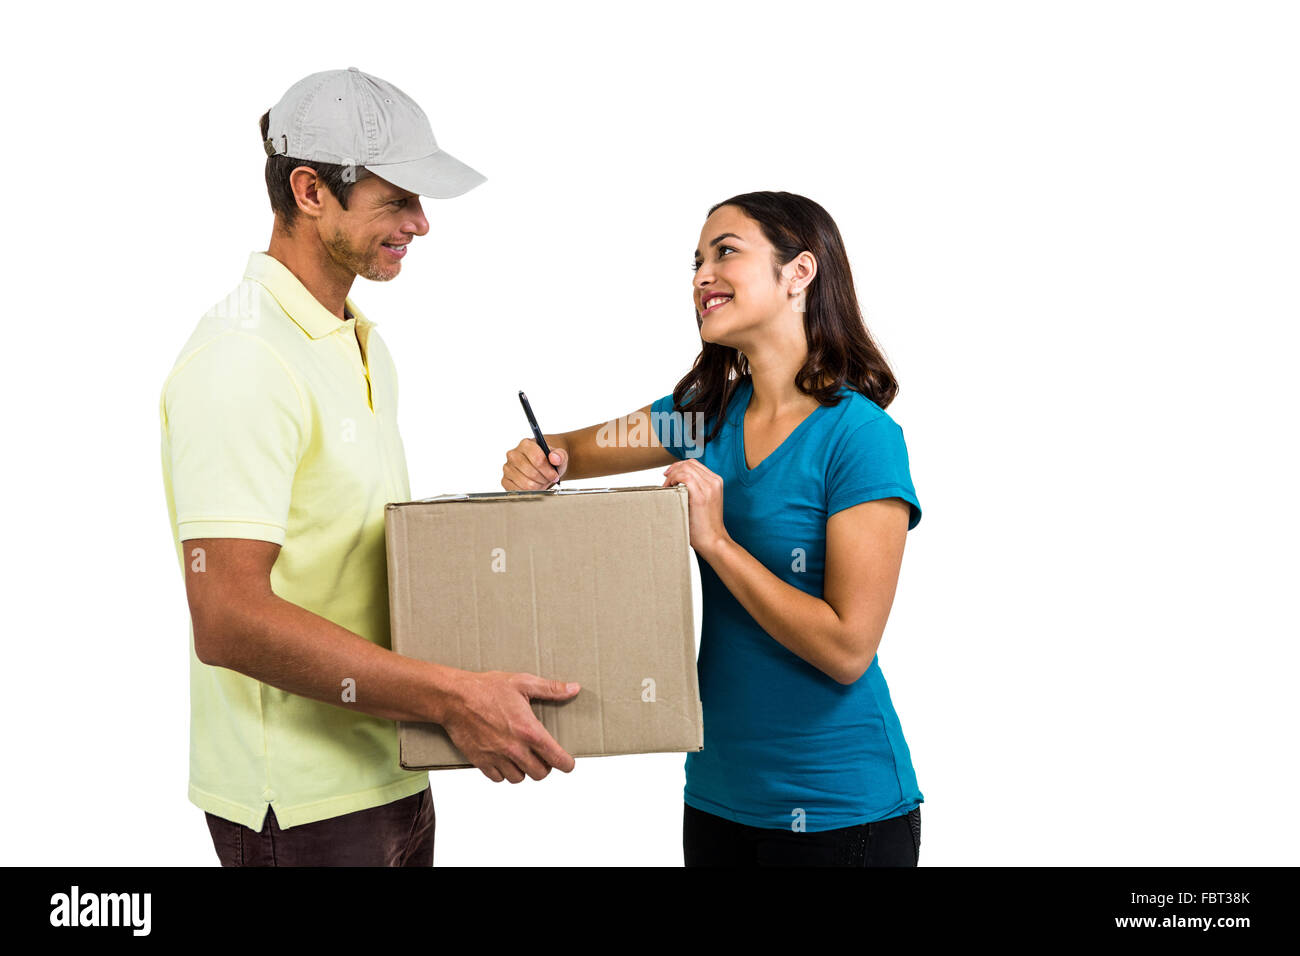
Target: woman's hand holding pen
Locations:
point(704, 499)
point(526, 468)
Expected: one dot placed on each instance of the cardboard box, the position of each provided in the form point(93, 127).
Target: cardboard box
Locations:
point(587, 585)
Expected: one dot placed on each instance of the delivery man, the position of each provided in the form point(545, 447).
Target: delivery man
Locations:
point(279, 451)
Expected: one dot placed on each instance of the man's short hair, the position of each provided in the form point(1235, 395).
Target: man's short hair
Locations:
point(338, 179)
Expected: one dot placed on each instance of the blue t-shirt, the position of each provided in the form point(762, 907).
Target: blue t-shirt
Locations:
point(782, 740)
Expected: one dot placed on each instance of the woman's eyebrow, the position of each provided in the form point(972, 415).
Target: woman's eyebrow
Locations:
point(717, 239)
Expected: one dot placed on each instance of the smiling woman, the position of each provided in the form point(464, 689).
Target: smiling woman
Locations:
point(804, 758)
point(799, 508)
point(801, 235)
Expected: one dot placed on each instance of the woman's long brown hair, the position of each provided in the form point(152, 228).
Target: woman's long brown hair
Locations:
point(841, 351)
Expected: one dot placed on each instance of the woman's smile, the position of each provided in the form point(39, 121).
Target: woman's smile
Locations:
point(714, 301)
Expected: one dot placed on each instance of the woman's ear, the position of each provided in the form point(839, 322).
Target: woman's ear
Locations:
point(799, 272)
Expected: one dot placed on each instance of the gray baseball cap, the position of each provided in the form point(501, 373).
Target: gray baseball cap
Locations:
point(353, 119)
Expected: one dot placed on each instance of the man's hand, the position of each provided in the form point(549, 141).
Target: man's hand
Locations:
point(490, 722)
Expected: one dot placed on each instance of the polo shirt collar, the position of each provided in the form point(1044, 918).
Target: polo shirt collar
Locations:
point(299, 304)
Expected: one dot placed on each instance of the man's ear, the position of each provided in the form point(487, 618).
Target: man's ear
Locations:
point(308, 191)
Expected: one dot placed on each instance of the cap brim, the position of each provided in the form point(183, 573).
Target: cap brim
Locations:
point(439, 175)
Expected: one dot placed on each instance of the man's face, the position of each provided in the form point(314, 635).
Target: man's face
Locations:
point(369, 237)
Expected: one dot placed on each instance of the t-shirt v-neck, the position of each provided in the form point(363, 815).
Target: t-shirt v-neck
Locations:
point(741, 404)
point(778, 732)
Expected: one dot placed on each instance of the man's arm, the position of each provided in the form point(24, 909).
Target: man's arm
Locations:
point(241, 624)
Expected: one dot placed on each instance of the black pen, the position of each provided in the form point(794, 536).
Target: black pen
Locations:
point(537, 432)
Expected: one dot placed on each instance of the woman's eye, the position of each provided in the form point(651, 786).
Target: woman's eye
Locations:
point(695, 266)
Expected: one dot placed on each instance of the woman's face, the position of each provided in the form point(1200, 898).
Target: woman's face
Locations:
point(736, 292)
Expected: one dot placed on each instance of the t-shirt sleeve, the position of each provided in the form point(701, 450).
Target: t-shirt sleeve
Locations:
point(669, 426)
point(234, 426)
point(871, 463)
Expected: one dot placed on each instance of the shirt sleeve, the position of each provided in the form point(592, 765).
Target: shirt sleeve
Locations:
point(669, 426)
point(234, 426)
point(871, 463)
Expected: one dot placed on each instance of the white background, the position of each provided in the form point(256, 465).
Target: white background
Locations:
point(1074, 233)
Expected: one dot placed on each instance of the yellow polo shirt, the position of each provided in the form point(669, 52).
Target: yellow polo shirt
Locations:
point(279, 423)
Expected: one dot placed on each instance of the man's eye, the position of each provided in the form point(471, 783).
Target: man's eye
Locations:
point(399, 202)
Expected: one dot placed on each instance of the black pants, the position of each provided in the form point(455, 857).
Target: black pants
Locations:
point(709, 840)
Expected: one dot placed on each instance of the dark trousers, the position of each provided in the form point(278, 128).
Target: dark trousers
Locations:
point(709, 840)
point(393, 834)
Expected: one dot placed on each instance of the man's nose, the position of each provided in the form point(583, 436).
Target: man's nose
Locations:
point(418, 225)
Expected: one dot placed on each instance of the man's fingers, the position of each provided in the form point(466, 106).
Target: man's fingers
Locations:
point(539, 688)
point(555, 755)
point(501, 735)
point(528, 762)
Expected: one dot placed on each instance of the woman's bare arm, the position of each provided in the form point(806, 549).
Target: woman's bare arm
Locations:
point(609, 448)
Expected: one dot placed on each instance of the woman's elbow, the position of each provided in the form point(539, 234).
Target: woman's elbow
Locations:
point(854, 662)
point(849, 674)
